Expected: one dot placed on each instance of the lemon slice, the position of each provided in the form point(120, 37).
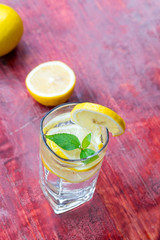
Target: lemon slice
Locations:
point(78, 132)
point(68, 174)
point(51, 83)
point(76, 166)
point(90, 116)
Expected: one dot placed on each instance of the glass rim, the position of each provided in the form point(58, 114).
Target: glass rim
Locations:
point(64, 159)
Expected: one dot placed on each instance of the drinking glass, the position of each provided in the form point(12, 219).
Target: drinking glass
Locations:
point(67, 183)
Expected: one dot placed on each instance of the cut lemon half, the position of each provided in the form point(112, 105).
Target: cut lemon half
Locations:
point(90, 115)
point(51, 83)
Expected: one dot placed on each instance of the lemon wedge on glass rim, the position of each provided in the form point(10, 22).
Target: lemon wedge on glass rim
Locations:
point(51, 83)
point(91, 115)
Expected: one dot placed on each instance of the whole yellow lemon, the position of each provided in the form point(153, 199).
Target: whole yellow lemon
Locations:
point(11, 29)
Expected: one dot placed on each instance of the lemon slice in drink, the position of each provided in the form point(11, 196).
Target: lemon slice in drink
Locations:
point(69, 174)
point(78, 132)
point(90, 115)
point(76, 166)
point(51, 83)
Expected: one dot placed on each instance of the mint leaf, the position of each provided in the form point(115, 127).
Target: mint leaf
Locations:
point(65, 140)
point(86, 141)
point(86, 153)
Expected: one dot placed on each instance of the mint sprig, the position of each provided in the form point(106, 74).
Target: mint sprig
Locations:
point(70, 142)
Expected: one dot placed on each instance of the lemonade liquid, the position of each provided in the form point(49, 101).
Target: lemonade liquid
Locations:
point(68, 183)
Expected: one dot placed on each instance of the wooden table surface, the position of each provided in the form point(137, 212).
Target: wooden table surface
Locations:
point(114, 48)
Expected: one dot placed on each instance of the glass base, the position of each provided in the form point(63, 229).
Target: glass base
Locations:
point(62, 195)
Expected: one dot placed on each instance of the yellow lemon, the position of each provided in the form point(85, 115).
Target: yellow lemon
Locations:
point(11, 29)
point(51, 83)
point(90, 115)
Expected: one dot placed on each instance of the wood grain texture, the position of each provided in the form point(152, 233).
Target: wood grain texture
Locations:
point(114, 48)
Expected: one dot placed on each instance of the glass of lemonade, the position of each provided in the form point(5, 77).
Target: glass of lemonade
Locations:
point(66, 180)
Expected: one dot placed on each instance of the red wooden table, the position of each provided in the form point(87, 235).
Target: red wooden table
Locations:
point(114, 48)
